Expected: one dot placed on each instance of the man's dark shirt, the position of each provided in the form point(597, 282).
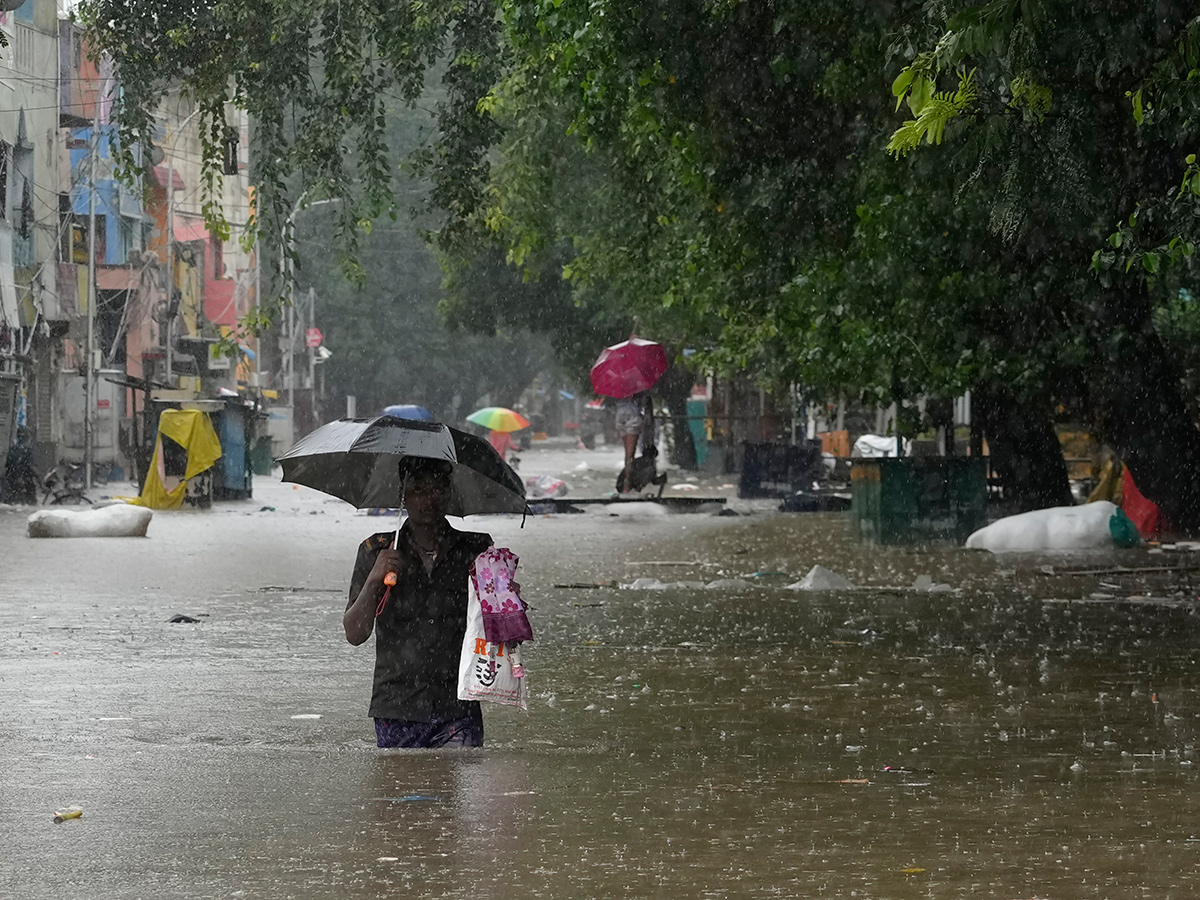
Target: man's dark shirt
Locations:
point(419, 634)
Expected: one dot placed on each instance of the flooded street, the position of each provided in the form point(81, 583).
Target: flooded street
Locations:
point(1019, 735)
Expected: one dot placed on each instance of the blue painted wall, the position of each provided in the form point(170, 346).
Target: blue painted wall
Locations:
point(111, 200)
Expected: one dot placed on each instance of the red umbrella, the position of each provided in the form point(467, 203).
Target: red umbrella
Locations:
point(628, 368)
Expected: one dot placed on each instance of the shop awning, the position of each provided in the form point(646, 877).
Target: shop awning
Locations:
point(168, 175)
point(120, 278)
point(190, 229)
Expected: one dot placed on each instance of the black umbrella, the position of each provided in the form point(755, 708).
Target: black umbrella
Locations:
point(358, 461)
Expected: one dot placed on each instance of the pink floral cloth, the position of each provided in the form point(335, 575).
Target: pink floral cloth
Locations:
point(504, 619)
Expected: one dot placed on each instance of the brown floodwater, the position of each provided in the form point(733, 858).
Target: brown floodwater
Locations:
point(1019, 734)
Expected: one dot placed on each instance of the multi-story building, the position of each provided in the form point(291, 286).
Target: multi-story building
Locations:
point(34, 312)
point(167, 290)
point(58, 188)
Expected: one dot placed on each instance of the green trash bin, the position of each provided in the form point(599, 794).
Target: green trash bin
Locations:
point(261, 459)
point(918, 499)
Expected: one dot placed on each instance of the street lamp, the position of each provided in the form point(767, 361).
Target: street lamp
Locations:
point(287, 270)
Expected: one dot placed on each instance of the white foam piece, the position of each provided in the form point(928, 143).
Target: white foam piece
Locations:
point(647, 584)
point(820, 578)
point(729, 584)
point(926, 584)
point(635, 510)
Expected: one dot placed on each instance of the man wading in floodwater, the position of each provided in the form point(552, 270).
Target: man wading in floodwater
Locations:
point(419, 630)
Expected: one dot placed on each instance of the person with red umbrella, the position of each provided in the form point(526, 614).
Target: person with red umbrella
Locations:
point(630, 420)
point(626, 372)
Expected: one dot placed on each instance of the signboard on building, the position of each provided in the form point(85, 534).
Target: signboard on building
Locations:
point(217, 360)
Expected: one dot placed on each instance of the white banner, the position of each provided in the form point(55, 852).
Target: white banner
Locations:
point(9, 313)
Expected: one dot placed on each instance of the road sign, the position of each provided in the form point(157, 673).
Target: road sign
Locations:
point(313, 337)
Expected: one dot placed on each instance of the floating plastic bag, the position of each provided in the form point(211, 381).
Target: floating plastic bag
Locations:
point(538, 487)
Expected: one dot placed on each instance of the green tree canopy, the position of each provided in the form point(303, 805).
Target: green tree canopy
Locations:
point(1077, 124)
point(738, 174)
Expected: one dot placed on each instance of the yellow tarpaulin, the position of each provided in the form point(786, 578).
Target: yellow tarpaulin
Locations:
point(191, 429)
point(1110, 486)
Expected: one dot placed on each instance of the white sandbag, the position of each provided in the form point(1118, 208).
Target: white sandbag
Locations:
point(877, 446)
point(820, 578)
point(1058, 528)
point(121, 520)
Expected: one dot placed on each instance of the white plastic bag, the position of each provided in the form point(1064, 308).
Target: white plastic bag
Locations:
point(485, 671)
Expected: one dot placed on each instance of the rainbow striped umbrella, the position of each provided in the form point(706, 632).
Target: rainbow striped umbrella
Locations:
point(497, 418)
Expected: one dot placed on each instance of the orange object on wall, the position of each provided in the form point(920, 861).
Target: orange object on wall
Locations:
point(835, 442)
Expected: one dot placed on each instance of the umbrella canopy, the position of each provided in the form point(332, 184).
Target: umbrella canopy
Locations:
point(358, 461)
point(628, 368)
point(408, 411)
point(497, 418)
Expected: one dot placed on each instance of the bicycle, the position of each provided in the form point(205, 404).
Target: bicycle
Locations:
point(65, 487)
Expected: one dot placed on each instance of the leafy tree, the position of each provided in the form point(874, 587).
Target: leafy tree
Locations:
point(332, 89)
point(1078, 123)
point(317, 79)
point(390, 345)
point(753, 135)
point(718, 169)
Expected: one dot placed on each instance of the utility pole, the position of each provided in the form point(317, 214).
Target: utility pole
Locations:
point(257, 361)
point(312, 354)
point(170, 323)
point(285, 348)
point(287, 274)
point(89, 402)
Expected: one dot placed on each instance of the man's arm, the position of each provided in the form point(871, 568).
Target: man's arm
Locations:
point(367, 588)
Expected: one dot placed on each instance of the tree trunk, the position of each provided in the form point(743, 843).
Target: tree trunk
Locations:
point(1142, 414)
point(676, 387)
point(1026, 455)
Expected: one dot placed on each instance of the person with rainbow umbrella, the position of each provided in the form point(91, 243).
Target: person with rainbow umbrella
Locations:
point(501, 423)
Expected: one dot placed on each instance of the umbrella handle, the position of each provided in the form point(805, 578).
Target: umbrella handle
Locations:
point(390, 578)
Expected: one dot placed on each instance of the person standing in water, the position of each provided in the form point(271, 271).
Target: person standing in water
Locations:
point(419, 627)
point(630, 420)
